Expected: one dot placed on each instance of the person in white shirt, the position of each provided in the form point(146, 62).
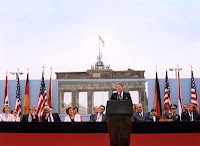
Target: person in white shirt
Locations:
point(155, 118)
point(5, 116)
point(75, 111)
point(71, 117)
point(16, 118)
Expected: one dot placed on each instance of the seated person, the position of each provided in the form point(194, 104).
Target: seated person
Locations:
point(134, 108)
point(5, 116)
point(100, 117)
point(95, 111)
point(141, 115)
point(155, 118)
point(16, 118)
point(31, 117)
point(71, 117)
point(175, 117)
point(49, 116)
point(185, 106)
point(190, 115)
point(75, 111)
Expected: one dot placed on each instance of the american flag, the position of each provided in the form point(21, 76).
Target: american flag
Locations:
point(167, 99)
point(42, 99)
point(194, 99)
point(180, 109)
point(6, 91)
point(50, 91)
point(18, 98)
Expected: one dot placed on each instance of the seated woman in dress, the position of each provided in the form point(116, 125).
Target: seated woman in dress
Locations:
point(75, 111)
point(5, 116)
point(71, 117)
point(16, 118)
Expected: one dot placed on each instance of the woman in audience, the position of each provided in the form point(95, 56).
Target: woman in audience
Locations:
point(75, 111)
point(5, 116)
point(16, 118)
point(71, 117)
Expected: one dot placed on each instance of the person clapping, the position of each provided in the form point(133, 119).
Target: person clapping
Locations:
point(31, 117)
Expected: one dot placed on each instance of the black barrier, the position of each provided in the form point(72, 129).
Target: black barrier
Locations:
point(92, 127)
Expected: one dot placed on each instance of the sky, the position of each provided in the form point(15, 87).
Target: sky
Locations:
point(63, 34)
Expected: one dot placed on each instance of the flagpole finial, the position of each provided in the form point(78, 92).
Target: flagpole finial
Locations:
point(156, 68)
point(27, 70)
point(43, 69)
point(191, 68)
point(51, 70)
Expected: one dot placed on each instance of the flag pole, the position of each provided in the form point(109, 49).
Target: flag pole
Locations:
point(99, 51)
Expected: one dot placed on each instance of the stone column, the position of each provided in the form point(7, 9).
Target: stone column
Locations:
point(143, 99)
point(110, 92)
point(90, 99)
point(61, 101)
point(74, 98)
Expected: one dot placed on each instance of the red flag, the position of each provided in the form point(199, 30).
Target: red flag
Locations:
point(194, 99)
point(102, 41)
point(6, 101)
point(50, 92)
point(180, 109)
point(42, 99)
point(157, 97)
point(167, 99)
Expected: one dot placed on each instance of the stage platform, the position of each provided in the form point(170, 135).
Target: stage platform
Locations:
point(96, 134)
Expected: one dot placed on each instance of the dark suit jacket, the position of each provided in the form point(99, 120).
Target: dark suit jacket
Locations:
point(157, 118)
point(185, 116)
point(93, 118)
point(146, 117)
point(175, 118)
point(56, 117)
point(25, 118)
point(126, 96)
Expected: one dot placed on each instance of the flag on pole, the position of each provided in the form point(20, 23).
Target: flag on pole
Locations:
point(194, 99)
point(180, 109)
point(6, 101)
point(26, 98)
point(18, 98)
point(167, 99)
point(157, 97)
point(42, 99)
point(50, 91)
point(102, 41)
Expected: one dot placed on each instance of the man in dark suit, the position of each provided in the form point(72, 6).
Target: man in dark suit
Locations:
point(175, 117)
point(140, 115)
point(190, 115)
point(49, 116)
point(154, 117)
point(31, 117)
point(120, 94)
point(100, 117)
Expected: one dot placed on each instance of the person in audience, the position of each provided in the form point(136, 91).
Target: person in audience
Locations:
point(75, 111)
point(141, 115)
point(95, 111)
point(100, 117)
point(16, 118)
point(5, 116)
point(71, 117)
point(155, 118)
point(190, 115)
point(49, 116)
point(134, 108)
point(185, 106)
point(31, 117)
point(175, 117)
point(120, 94)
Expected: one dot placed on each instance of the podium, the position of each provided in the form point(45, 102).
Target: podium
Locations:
point(119, 115)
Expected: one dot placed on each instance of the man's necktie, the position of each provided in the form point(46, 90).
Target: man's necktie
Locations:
point(191, 116)
point(120, 95)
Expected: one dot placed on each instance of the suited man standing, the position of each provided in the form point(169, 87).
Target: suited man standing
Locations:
point(120, 94)
point(175, 117)
point(100, 117)
point(140, 115)
point(31, 117)
point(191, 114)
point(49, 116)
